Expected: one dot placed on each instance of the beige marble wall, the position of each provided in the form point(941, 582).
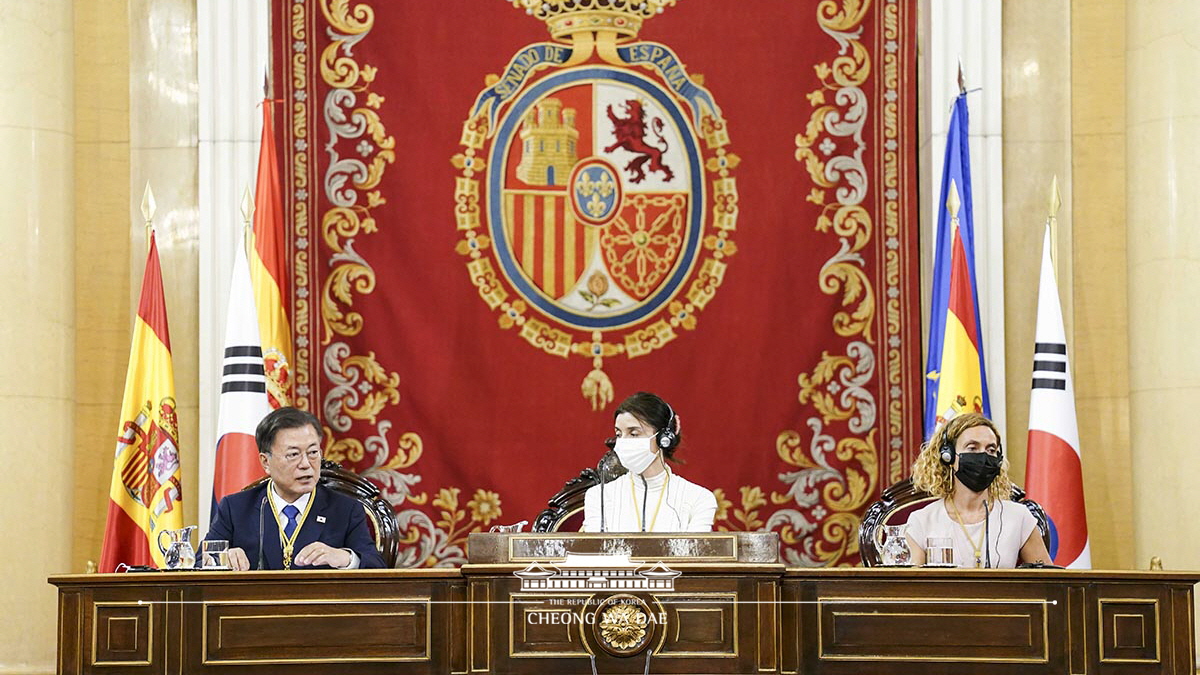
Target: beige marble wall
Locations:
point(103, 313)
point(37, 336)
point(1037, 147)
point(1064, 115)
point(136, 123)
point(1101, 342)
point(1162, 143)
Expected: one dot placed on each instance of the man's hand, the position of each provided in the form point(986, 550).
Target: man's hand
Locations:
point(318, 553)
point(238, 561)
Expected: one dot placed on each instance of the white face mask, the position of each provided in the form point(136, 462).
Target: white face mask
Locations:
point(635, 453)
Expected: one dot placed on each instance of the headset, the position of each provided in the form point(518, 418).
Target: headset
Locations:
point(947, 453)
point(668, 435)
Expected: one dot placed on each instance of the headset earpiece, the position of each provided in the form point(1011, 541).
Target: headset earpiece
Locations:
point(946, 452)
point(667, 435)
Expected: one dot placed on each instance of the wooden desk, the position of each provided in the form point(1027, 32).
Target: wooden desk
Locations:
point(720, 618)
point(856, 620)
point(359, 621)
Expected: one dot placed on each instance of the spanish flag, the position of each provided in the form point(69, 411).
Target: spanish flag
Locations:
point(956, 380)
point(268, 271)
point(145, 497)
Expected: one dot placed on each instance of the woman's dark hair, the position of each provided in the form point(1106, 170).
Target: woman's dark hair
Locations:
point(652, 410)
point(278, 420)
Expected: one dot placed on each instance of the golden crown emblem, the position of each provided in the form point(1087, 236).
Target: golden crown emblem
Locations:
point(567, 17)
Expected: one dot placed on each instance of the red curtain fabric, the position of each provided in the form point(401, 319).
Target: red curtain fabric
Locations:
point(495, 235)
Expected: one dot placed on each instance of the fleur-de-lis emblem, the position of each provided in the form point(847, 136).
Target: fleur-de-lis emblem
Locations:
point(595, 206)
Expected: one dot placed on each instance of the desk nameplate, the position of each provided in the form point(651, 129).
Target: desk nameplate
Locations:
point(711, 547)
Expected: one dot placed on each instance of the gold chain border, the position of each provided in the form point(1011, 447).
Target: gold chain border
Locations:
point(300, 162)
point(895, 265)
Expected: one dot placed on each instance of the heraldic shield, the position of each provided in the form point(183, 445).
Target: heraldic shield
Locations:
point(596, 198)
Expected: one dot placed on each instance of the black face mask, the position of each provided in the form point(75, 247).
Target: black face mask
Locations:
point(977, 470)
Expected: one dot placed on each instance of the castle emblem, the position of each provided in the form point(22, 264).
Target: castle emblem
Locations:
point(595, 199)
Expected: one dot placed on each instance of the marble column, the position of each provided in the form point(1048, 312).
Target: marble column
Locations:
point(1100, 339)
point(1163, 240)
point(37, 335)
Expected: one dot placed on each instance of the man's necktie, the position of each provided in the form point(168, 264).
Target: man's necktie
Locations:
point(291, 512)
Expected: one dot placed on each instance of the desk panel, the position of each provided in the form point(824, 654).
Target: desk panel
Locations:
point(735, 618)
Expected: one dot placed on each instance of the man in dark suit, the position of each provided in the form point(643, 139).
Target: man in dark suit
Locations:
point(297, 524)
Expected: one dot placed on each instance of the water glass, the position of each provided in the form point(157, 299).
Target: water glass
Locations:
point(939, 552)
point(215, 554)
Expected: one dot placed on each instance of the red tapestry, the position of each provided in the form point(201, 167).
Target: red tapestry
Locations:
point(505, 217)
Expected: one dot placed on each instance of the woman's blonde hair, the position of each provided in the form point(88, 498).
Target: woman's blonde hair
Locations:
point(932, 476)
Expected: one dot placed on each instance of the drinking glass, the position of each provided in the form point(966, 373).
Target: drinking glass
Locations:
point(215, 554)
point(939, 552)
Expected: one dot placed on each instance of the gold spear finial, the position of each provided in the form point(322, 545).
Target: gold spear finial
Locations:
point(962, 81)
point(1052, 222)
point(148, 204)
point(952, 201)
point(247, 217)
point(148, 208)
point(247, 206)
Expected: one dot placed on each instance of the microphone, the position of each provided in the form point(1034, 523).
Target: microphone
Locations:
point(608, 468)
point(645, 498)
point(261, 505)
point(987, 541)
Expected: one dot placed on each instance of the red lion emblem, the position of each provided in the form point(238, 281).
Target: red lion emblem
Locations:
point(631, 135)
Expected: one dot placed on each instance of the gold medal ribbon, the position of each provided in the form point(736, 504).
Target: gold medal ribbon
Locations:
point(978, 548)
point(288, 544)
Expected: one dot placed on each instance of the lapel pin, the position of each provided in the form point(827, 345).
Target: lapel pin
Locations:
point(320, 519)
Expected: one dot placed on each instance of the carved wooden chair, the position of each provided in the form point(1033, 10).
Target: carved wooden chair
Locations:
point(901, 499)
point(564, 511)
point(380, 516)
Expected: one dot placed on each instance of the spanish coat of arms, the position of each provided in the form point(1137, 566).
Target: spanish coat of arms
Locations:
point(595, 197)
